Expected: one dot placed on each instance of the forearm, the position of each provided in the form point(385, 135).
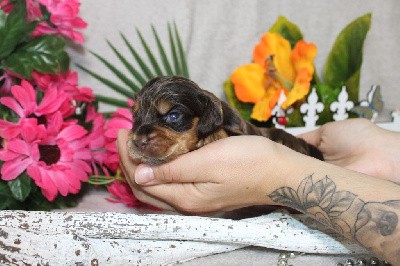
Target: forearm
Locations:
point(359, 207)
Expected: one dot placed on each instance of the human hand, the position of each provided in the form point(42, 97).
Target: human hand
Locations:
point(359, 145)
point(224, 175)
point(128, 167)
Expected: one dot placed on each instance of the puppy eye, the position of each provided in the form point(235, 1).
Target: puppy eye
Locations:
point(173, 116)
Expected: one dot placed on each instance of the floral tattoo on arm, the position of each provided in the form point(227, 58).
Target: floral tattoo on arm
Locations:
point(375, 225)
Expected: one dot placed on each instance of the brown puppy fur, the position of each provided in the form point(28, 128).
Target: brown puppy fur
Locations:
point(173, 116)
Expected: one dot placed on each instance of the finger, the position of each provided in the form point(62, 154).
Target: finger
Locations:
point(312, 137)
point(184, 169)
point(124, 160)
point(128, 168)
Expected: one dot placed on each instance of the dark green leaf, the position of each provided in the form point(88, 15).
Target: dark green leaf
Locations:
point(3, 19)
point(138, 59)
point(326, 95)
point(178, 70)
point(287, 30)
point(5, 195)
point(345, 59)
point(295, 119)
point(13, 28)
point(111, 101)
point(44, 54)
point(117, 73)
point(128, 65)
point(161, 50)
point(150, 55)
point(107, 82)
point(245, 109)
point(182, 57)
point(20, 187)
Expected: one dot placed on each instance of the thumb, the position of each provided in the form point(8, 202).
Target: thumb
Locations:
point(153, 175)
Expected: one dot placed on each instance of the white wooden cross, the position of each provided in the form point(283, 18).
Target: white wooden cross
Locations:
point(341, 106)
point(310, 109)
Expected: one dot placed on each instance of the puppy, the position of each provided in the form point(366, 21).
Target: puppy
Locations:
point(173, 115)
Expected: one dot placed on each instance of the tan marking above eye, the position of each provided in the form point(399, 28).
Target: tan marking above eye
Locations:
point(164, 107)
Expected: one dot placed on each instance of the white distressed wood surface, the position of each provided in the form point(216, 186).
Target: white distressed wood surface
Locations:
point(154, 239)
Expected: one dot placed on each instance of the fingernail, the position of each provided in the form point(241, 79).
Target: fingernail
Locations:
point(144, 175)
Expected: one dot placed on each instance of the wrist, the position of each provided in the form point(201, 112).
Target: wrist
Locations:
point(284, 169)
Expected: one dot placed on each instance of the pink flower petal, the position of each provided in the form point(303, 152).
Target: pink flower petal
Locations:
point(72, 132)
point(25, 95)
point(12, 169)
point(13, 105)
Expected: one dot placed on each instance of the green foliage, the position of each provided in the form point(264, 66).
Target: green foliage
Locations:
point(342, 68)
point(44, 54)
point(344, 61)
point(20, 187)
point(244, 109)
point(21, 53)
point(23, 194)
point(287, 30)
point(141, 70)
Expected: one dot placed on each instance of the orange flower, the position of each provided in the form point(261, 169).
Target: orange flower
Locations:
point(276, 67)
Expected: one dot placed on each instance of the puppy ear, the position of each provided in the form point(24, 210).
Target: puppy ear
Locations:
point(211, 117)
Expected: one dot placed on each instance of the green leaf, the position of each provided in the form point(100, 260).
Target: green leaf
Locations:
point(117, 73)
point(177, 67)
point(139, 60)
point(287, 30)
point(128, 65)
point(111, 101)
point(182, 57)
point(13, 28)
point(161, 50)
point(5, 195)
point(295, 118)
point(44, 54)
point(20, 187)
point(245, 109)
point(326, 95)
point(150, 55)
point(345, 59)
point(108, 82)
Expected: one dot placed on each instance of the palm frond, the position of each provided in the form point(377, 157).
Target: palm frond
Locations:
point(114, 86)
point(111, 101)
point(163, 55)
point(174, 52)
point(139, 60)
point(150, 55)
point(118, 73)
point(142, 68)
point(139, 78)
point(184, 67)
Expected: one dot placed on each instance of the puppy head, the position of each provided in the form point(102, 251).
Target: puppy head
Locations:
point(171, 116)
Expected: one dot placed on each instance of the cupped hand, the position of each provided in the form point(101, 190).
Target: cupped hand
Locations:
point(359, 145)
point(224, 175)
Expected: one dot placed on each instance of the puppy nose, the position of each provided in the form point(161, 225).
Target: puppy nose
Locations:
point(141, 142)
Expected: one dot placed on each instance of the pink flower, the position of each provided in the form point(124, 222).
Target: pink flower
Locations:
point(97, 140)
point(66, 82)
point(6, 6)
point(121, 119)
point(65, 20)
point(122, 193)
point(24, 104)
point(56, 158)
